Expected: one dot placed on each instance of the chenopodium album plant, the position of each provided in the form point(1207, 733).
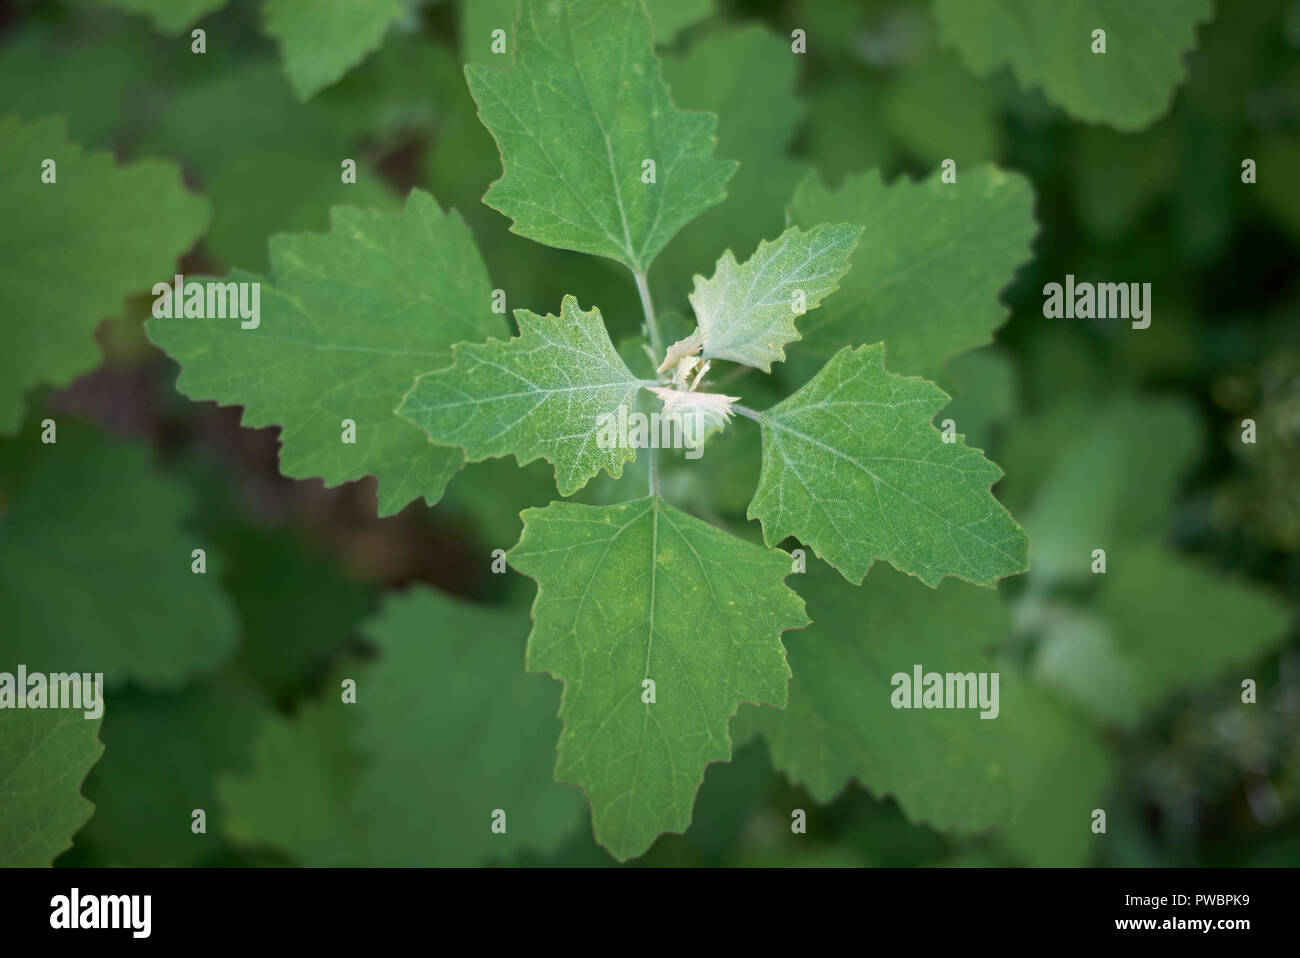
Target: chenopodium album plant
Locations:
point(659, 624)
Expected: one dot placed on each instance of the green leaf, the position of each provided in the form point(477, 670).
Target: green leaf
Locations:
point(1029, 449)
point(453, 728)
point(1111, 479)
point(163, 752)
point(168, 16)
point(253, 106)
point(264, 192)
point(948, 767)
point(1117, 178)
point(1277, 154)
point(936, 111)
point(696, 416)
point(72, 250)
point(670, 17)
point(479, 18)
point(1050, 45)
point(349, 319)
point(747, 76)
point(539, 395)
point(1062, 771)
point(747, 312)
point(276, 167)
point(838, 149)
point(117, 59)
point(397, 93)
point(576, 116)
point(853, 467)
point(95, 567)
point(462, 162)
point(321, 41)
point(487, 497)
point(1177, 623)
point(299, 793)
point(298, 607)
point(722, 483)
point(926, 274)
point(984, 393)
point(642, 591)
point(731, 795)
point(44, 757)
point(1076, 655)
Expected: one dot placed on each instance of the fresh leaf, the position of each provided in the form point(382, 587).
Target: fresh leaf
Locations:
point(1117, 177)
point(254, 107)
point(72, 250)
point(261, 193)
point(1077, 655)
point(1113, 474)
point(168, 16)
point(670, 17)
point(349, 319)
point(163, 752)
point(1171, 619)
point(1062, 771)
point(299, 793)
point(1051, 45)
point(464, 160)
point(95, 567)
point(838, 149)
point(853, 467)
point(948, 767)
point(298, 607)
point(487, 497)
point(722, 483)
point(480, 18)
point(397, 92)
point(697, 415)
point(921, 113)
point(747, 312)
point(984, 393)
point(44, 757)
point(926, 274)
point(641, 592)
point(117, 59)
point(452, 728)
point(578, 117)
point(321, 41)
point(747, 76)
point(728, 799)
point(539, 395)
point(276, 168)
point(1029, 448)
point(1276, 154)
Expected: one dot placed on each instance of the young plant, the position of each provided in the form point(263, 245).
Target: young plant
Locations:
point(379, 353)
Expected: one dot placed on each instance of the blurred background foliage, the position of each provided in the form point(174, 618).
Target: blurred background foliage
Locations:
point(1097, 427)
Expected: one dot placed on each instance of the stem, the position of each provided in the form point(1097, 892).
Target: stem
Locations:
point(735, 374)
point(746, 412)
point(647, 307)
point(657, 348)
